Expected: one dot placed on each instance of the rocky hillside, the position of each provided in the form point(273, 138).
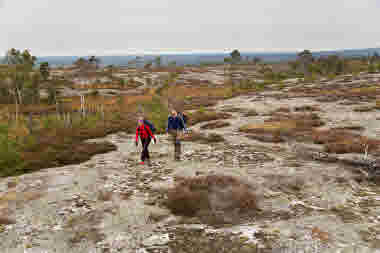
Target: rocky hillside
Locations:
point(294, 167)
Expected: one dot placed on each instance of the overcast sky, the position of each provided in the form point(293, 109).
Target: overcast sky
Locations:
point(105, 27)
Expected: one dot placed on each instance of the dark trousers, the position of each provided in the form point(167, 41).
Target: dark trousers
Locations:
point(145, 152)
point(176, 143)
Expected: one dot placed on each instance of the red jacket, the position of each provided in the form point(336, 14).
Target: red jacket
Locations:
point(144, 132)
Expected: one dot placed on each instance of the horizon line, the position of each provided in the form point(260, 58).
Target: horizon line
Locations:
point(190, 52)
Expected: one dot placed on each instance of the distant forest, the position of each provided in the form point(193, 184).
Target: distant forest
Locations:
point(201, 58)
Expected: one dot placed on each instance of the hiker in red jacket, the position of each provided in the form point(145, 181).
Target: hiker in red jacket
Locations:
point(146, 136)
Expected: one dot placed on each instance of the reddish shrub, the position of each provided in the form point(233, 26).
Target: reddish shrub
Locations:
point(205, 196)
point(341, 142)
point(6, 221)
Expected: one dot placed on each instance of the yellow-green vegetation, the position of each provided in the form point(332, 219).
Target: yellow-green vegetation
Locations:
point(10, 156)
point(50, 143)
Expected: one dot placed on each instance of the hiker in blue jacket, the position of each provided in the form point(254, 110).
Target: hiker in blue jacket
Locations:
point(174, 127)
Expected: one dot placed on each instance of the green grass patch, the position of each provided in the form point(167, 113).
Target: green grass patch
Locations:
point(10, 157)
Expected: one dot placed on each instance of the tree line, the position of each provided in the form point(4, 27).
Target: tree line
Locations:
point(21, 82)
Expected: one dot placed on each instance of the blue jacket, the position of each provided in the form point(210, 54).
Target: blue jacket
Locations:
point(175, 123)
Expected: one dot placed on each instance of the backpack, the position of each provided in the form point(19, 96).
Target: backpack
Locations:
point(184, 117)
point(150, 125)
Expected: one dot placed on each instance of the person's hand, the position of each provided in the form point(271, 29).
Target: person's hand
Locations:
point(155, 140)
point(136, 143)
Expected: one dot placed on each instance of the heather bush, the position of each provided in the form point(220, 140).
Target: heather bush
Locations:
point(214, 199)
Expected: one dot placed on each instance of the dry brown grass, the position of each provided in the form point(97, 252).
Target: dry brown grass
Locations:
point(196, 102)
point(6, 220)
point(351, 128)
point(336, 92)
point(307, 108)
point(285, 125)
point(364, 109)
point(112, 104)
point(316, 233)
point(364, 91)
point(52, 144)
point(302, 127)
point(216, 124)
point(281, 127)
point(58, 153)
point(19, 197)
point(207, 196)
point(341, 142)
point(11, 184)
point(327, 99)
point(178, 70)
point(182, 91)
point(203, 116)
point(377, 106)
point(287, 184)
point(274, 128)
point(251, 113)
point(202, 138)
point(343, 92)
point(104, 195)
point(233, 109)
point(282, 110)
point(267, 138)
point(35, 109)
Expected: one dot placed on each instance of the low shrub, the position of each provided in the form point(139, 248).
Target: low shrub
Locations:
point(6, 220)
point(203, 116)
point(104, 195)
point(207, 196)
point(216, 124)
point(10, 157)
point(341, 142)
point(285, 125)
point(251, 113)
point(364, 109)
point(203, 138)
point(306, 108)
point(282, 126)
point(377, 106)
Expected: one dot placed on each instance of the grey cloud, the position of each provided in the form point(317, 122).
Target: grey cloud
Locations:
point(78, 27)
